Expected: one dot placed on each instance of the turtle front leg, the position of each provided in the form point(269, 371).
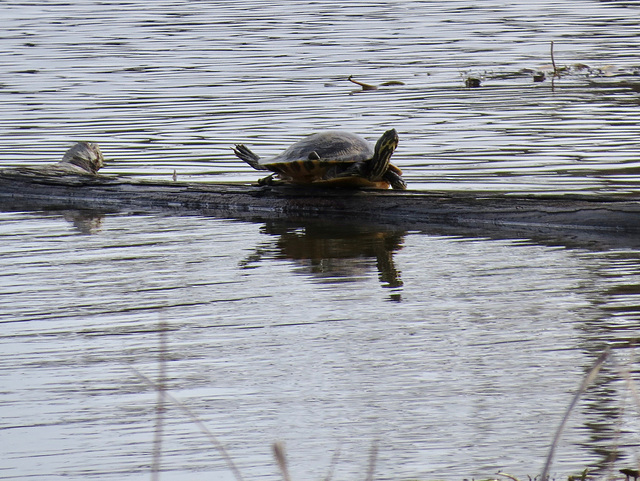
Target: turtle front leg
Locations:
point(395, 180)
point(268, 180)
point(273, 179)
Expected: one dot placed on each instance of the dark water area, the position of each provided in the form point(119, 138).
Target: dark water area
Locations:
point(455, 353)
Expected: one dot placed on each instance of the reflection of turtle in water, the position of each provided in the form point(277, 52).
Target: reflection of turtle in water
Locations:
point(333, 158)
point(333, 251)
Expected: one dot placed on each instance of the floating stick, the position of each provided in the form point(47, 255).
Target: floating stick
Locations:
point(362, 84)
point(553, 62)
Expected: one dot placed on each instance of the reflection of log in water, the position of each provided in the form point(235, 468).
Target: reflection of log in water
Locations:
point(85, 222)
point(334, 249)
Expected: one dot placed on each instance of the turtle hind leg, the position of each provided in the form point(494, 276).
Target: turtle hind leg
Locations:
point(243, 153)
point(273, 179)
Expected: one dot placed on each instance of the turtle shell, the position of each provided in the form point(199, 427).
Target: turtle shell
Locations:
point(321, 156)
point(336, 146)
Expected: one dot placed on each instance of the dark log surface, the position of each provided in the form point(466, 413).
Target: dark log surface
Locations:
point(575, 215)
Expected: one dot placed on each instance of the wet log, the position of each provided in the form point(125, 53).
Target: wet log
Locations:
point(576, 215)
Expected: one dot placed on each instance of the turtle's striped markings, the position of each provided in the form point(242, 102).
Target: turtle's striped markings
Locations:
point(303, 171)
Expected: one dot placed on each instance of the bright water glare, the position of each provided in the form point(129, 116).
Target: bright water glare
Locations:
point(454, 355)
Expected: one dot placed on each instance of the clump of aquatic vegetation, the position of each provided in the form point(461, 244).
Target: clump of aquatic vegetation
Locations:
point(280, 457)
point(597, 75)
point(615, 76)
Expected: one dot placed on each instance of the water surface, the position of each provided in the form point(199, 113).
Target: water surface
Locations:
point(456, 354)
point(173, 86)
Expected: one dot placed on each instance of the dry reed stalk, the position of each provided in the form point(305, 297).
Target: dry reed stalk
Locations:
point(373, 454)
point(625, 373)
point(281, 458)
point(334, 462)
point(588, 379)
point(203, 428)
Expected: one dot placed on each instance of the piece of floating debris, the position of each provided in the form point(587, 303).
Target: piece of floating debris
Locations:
point(539, 77)
point(365, 86)
point(391, 83)
point(362, 84)
point(472, 82)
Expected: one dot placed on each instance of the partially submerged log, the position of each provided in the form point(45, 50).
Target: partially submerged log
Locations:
point(565, 215)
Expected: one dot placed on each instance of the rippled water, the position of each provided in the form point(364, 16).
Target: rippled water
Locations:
point(173, 86)
point(457, 355)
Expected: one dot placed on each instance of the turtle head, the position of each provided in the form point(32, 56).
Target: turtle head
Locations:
point(379, 163)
